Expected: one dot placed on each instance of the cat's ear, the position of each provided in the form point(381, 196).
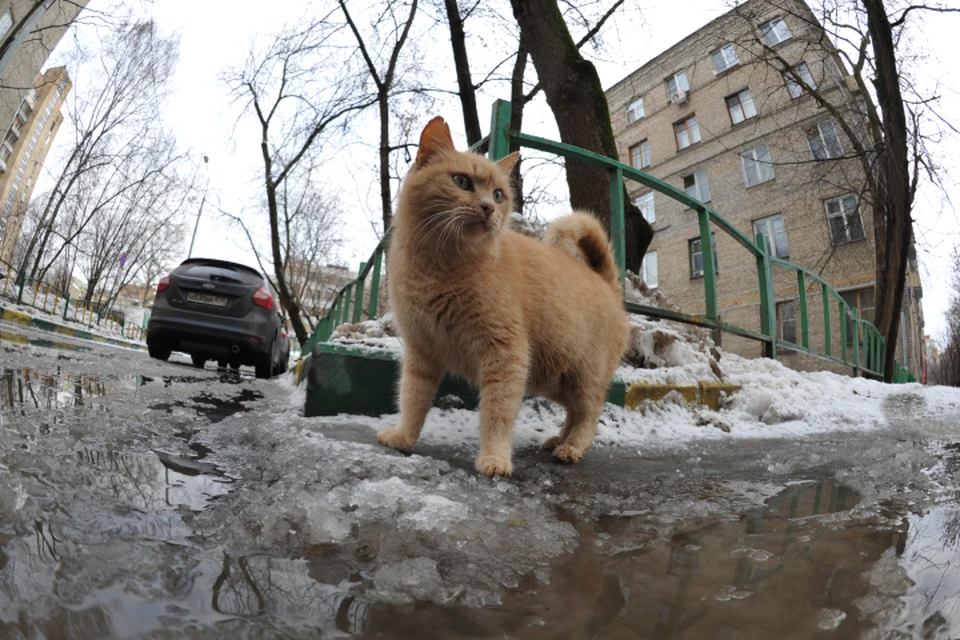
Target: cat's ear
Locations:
point(507, 162)
point(434, 139)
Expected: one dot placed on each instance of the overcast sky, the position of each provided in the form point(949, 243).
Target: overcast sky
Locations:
point(212, 39)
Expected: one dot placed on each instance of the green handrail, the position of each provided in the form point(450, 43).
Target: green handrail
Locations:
point(865, 354)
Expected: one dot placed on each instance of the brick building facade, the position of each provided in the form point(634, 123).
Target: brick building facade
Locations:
point(726, 115)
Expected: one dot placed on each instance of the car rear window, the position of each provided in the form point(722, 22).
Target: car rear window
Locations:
point(220, 273)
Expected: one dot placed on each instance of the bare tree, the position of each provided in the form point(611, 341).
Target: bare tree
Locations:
point(297, 97)
point(391, 29)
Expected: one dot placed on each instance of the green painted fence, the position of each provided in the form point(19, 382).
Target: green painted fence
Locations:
point(863, 351)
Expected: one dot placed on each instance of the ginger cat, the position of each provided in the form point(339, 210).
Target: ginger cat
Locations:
point(510, 314)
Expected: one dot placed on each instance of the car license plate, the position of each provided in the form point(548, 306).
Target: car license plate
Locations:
point(207, 298)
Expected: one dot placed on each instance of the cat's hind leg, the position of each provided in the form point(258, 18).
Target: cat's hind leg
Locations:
point(419, 379)
point(580, 426)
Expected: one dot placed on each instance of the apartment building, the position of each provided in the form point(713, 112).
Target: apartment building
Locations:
point(23, 149)
point(726, 115)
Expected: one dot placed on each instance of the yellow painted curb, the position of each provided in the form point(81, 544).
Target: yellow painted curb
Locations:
point(703, 394)
point(17, 318)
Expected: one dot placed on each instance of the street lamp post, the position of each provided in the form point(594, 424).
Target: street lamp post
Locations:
point(200, 212)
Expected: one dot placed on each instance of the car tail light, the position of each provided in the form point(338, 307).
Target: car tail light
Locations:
point(263, 299)
point(164, 284)
point(283, 334)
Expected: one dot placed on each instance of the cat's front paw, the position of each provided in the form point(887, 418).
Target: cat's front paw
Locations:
point(566, 453)
point(395, 438)
point(551, 443)
point(494, 466)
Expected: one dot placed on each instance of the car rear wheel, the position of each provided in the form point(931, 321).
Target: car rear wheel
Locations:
point(198, 360)
point(157, 352)
point(264, 365)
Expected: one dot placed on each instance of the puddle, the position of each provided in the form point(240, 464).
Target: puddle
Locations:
point(212, 407)
point(28, 388)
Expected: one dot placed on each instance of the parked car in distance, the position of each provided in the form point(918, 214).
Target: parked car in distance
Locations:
point(218, 310)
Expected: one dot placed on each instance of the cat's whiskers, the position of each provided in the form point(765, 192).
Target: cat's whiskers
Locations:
point(433, 223)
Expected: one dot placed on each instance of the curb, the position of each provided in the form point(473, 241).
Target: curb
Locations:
point(344, 380)
point(25, 320)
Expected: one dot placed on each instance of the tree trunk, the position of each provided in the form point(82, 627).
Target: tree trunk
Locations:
point(386, 203)
point(892, 201)
point(468, 95)
point(575, 95)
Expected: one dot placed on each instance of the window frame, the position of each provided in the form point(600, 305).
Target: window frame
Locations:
point(740, 104)
point(784, 322)
point(727, 64)
point(641, 152)
point(645, 264)
point(676, 80)
point(794, 88)
point(700, 184)
point(631, 111)
point(770, 26)
point(822, 141)
point(694, 274)
point(755, 161)
point(858, 304)
point(843, 213)
point(772, 233)
point(690, 131)
point(642, 202)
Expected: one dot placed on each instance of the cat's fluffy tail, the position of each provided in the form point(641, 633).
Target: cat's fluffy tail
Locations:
point(581, 235)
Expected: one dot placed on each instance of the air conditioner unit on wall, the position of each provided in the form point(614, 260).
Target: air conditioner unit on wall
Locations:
point(680, 97)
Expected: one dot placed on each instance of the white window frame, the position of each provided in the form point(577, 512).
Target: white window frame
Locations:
point(699, 186)
point(649, 270)
point(801, 71)
point(838, 207)
point(740, 106)
point(775, 31)
point(648, 206)
point(757, 165)
point(774, 232)
point(686, 132)
point(724, 58)
point(635, 111)
point(696, 250)
point(824, 141)
point(677, 83)
point(784, 322)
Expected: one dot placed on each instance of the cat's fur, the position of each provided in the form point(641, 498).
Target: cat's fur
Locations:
point(510, 314)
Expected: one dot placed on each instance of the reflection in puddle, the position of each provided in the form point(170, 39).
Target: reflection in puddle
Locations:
point(28, 388)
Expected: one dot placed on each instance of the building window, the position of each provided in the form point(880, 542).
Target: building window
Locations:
point(697, 186)
point(862, 301)
point(635, 111)
point(6, 21)
point(774, 234)
point(843, 216)
point(798, 79)
point(677, 86)
point(741, 107)
point(774, 32)
point(696, 256)
point(640, 155)
point(824, 142)
point(687, 132)
point(757, 166)
point(724, 58)
point(647, 207)
point(648, 270)
point(787, 321)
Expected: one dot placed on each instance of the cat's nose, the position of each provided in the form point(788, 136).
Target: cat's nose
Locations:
point(488, 207)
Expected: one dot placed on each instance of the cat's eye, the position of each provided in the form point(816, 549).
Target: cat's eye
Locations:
point(462, 181)
point(497, 195)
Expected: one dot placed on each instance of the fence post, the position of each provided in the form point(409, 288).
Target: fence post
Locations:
point(843, 331)
point(617, 231)
point(804, 321)
point(709, 273)
point(23, 281)
point(375, 284)
point(856, 342)
point(347, 299)
point(66, 305)
point(499, 131)
point(358, 306)
point(768, 309)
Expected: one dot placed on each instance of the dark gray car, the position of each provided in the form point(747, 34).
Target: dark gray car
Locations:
point(218, 310)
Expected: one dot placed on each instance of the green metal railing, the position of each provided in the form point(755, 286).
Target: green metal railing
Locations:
point(31, 292)
point(864, 351)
